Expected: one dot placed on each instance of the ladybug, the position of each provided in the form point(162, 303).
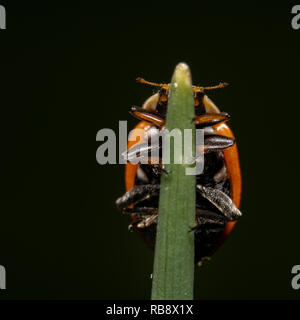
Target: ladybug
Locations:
point(218, 187)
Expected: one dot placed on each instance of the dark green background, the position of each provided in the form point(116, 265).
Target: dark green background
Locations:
point(69, 70)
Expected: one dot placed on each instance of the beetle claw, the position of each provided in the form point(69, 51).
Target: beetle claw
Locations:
point(165, 171)
point(193, 119)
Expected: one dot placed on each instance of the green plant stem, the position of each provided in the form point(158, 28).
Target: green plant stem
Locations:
point(173, 274)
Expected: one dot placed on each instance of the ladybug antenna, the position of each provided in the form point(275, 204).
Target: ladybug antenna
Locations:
point(218, 86)
point(161, 85)
point(195, 88)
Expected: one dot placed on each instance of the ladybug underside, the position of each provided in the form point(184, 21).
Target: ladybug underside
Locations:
point(214, 207)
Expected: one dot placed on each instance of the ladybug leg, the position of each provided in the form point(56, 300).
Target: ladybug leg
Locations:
point(149, 152)
point(209, 119)
point(208, 222)
point(144, 216)
point(146, 115)
point(215, 142)
point(221, 201)
point(139, 212)
point(144, 219)
point(159, 169)
point(209, 227)
point(147, 221)
point(144, 153)
point(136, 195)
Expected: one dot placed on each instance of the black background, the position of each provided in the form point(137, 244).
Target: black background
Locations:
point(68, 70)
